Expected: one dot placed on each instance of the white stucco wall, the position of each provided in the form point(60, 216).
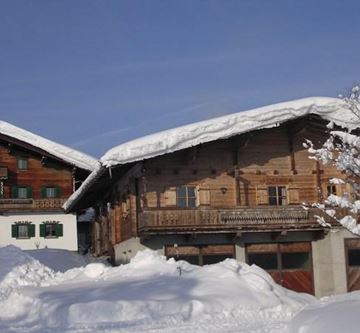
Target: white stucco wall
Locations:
point(68, 241)
point(329, 260)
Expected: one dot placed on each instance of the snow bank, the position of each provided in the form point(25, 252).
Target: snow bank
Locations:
point(57, 259)
point(67, 154)
point(18, 269)
point(154, 292)
point(331, 109)
point(331, 315)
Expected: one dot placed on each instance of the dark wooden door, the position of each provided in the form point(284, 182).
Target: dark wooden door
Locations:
point(352, 251)
point(289, 264)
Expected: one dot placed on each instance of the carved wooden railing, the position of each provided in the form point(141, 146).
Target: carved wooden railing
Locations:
point(31, 204)
point(248, 218)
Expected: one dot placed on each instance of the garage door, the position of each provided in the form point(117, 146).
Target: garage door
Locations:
point(200, 254)
point(352, 249)
point(289, 264)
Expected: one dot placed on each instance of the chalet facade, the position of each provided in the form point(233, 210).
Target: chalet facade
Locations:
point(36, 178)
point(233, 196)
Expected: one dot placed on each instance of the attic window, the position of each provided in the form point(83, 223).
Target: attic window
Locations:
point(22, 163)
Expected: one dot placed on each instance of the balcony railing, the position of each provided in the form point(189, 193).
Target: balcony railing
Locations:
point(228, 220)
point(31, 204)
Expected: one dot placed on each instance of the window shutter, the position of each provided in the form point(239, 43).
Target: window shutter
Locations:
point(29, 192)
point(203, 196)
point(57, 192)
point(42, 230)
point(43, 191)
point(293, 195)
point(170, 197)
point(14, 231)
point(14, 192)
point(31, 230)
point(59, 230)
point(262, 195)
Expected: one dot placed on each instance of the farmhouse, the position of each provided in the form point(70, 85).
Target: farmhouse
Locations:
point(36, 177)
point(230, 187)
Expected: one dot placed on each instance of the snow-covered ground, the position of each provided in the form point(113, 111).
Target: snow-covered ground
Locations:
point(152, 294)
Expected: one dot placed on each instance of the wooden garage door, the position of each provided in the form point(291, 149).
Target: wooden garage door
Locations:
point(352, 250)
point(200, 254)
point(289, 264)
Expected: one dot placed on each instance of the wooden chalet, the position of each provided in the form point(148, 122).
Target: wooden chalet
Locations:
point(239, 197)
point(35, 181)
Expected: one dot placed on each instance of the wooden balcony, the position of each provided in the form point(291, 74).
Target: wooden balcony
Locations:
point(229, 220)
point(31, 204)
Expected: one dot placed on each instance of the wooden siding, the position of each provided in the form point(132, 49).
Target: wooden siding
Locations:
point(40, 172)
point(231, 178)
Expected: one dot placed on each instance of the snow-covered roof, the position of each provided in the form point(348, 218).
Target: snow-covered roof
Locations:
point(67, 154)
point(331, 109)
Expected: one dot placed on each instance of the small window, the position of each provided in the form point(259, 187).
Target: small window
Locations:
point(51, 230)
point(331, 189)
point(295, 260)
point(185, 197)
point(267, 261)
point(354, 257)
point(22, 163)
point(50, 192)
point(277, 195)
point(22, 231)
point(22, 192)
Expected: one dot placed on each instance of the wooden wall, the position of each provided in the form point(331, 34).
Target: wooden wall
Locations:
point(234, 171)
point(226, 173)
point(36, 175)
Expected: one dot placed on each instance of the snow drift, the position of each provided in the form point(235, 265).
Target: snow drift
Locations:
point(152, 294)
point(150, 291)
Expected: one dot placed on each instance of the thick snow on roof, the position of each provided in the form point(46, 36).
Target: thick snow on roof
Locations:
point(331, 109)
point(67, 154)
point(168, 141)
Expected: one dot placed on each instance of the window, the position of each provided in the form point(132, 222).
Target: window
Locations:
point(296, 260)
point(21, 192)
point(266, 261)
point(331, 189)
point(354, 257)
point(22, 163)
point(277, 195)
point(51, 230)
point(50, 191)
point(23, 230)
point(185, 197)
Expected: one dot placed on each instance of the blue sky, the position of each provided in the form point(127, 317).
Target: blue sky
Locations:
point(94, 74)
